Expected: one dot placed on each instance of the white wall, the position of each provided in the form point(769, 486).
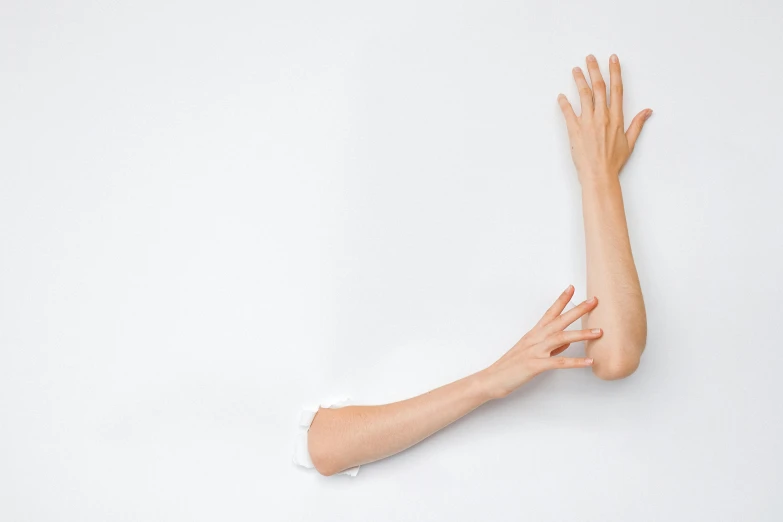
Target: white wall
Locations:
point(213, 213)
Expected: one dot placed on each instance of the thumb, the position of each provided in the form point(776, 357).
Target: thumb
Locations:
point(635, 128)
point(557, 363)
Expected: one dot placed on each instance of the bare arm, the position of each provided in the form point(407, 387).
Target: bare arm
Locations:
point(342, 438)
point(600, 146)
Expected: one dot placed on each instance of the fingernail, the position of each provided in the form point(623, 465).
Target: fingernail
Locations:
point(577, 70)
point(590, 58)
point(591, 300)
point(614, 58)
point(589, 362)
point(596, 330)
point(649, 113)
point(568, 289)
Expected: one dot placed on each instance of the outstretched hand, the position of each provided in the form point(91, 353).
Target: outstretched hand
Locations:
point(600, 145)
point(535, 352)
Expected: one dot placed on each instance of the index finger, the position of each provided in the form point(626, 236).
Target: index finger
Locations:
point(616, 90)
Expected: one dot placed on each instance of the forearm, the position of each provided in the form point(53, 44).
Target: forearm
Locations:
point(612, 277)
point(346, 437)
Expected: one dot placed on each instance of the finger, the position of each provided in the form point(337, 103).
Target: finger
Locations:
point(559, 350)
point(562, 363)
point(585, 94)
point(635, 128)
point(616, 90)
point(559, 339)
point(599, 87)
point(568, 112)
point(557, 308)
point(562, 322)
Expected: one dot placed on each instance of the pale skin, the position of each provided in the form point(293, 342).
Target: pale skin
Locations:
point(614, 331)
point(600, 147)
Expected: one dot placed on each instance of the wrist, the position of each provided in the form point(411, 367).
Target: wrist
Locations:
point(483, 385)
point(598, 177)
point(599, 184)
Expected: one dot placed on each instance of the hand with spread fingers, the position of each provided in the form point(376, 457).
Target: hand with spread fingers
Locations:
point(600, 145)
point(535, 352)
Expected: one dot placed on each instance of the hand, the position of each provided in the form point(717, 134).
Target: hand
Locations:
point(535, 352)
point(599, 144)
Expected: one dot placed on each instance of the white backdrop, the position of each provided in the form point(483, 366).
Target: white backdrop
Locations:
point(212, 213)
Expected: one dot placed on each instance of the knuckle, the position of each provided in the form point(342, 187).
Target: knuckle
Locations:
point(599, 84)
point(617, 88)
point(585, 91)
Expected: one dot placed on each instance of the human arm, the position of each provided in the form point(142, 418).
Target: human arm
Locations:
point(600, 147)
point(345, 437)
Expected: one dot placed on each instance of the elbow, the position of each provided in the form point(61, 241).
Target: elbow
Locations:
point(612, 370)
point(322, 460)
point(321, 450)
point(325, 468)
point(619, 361)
